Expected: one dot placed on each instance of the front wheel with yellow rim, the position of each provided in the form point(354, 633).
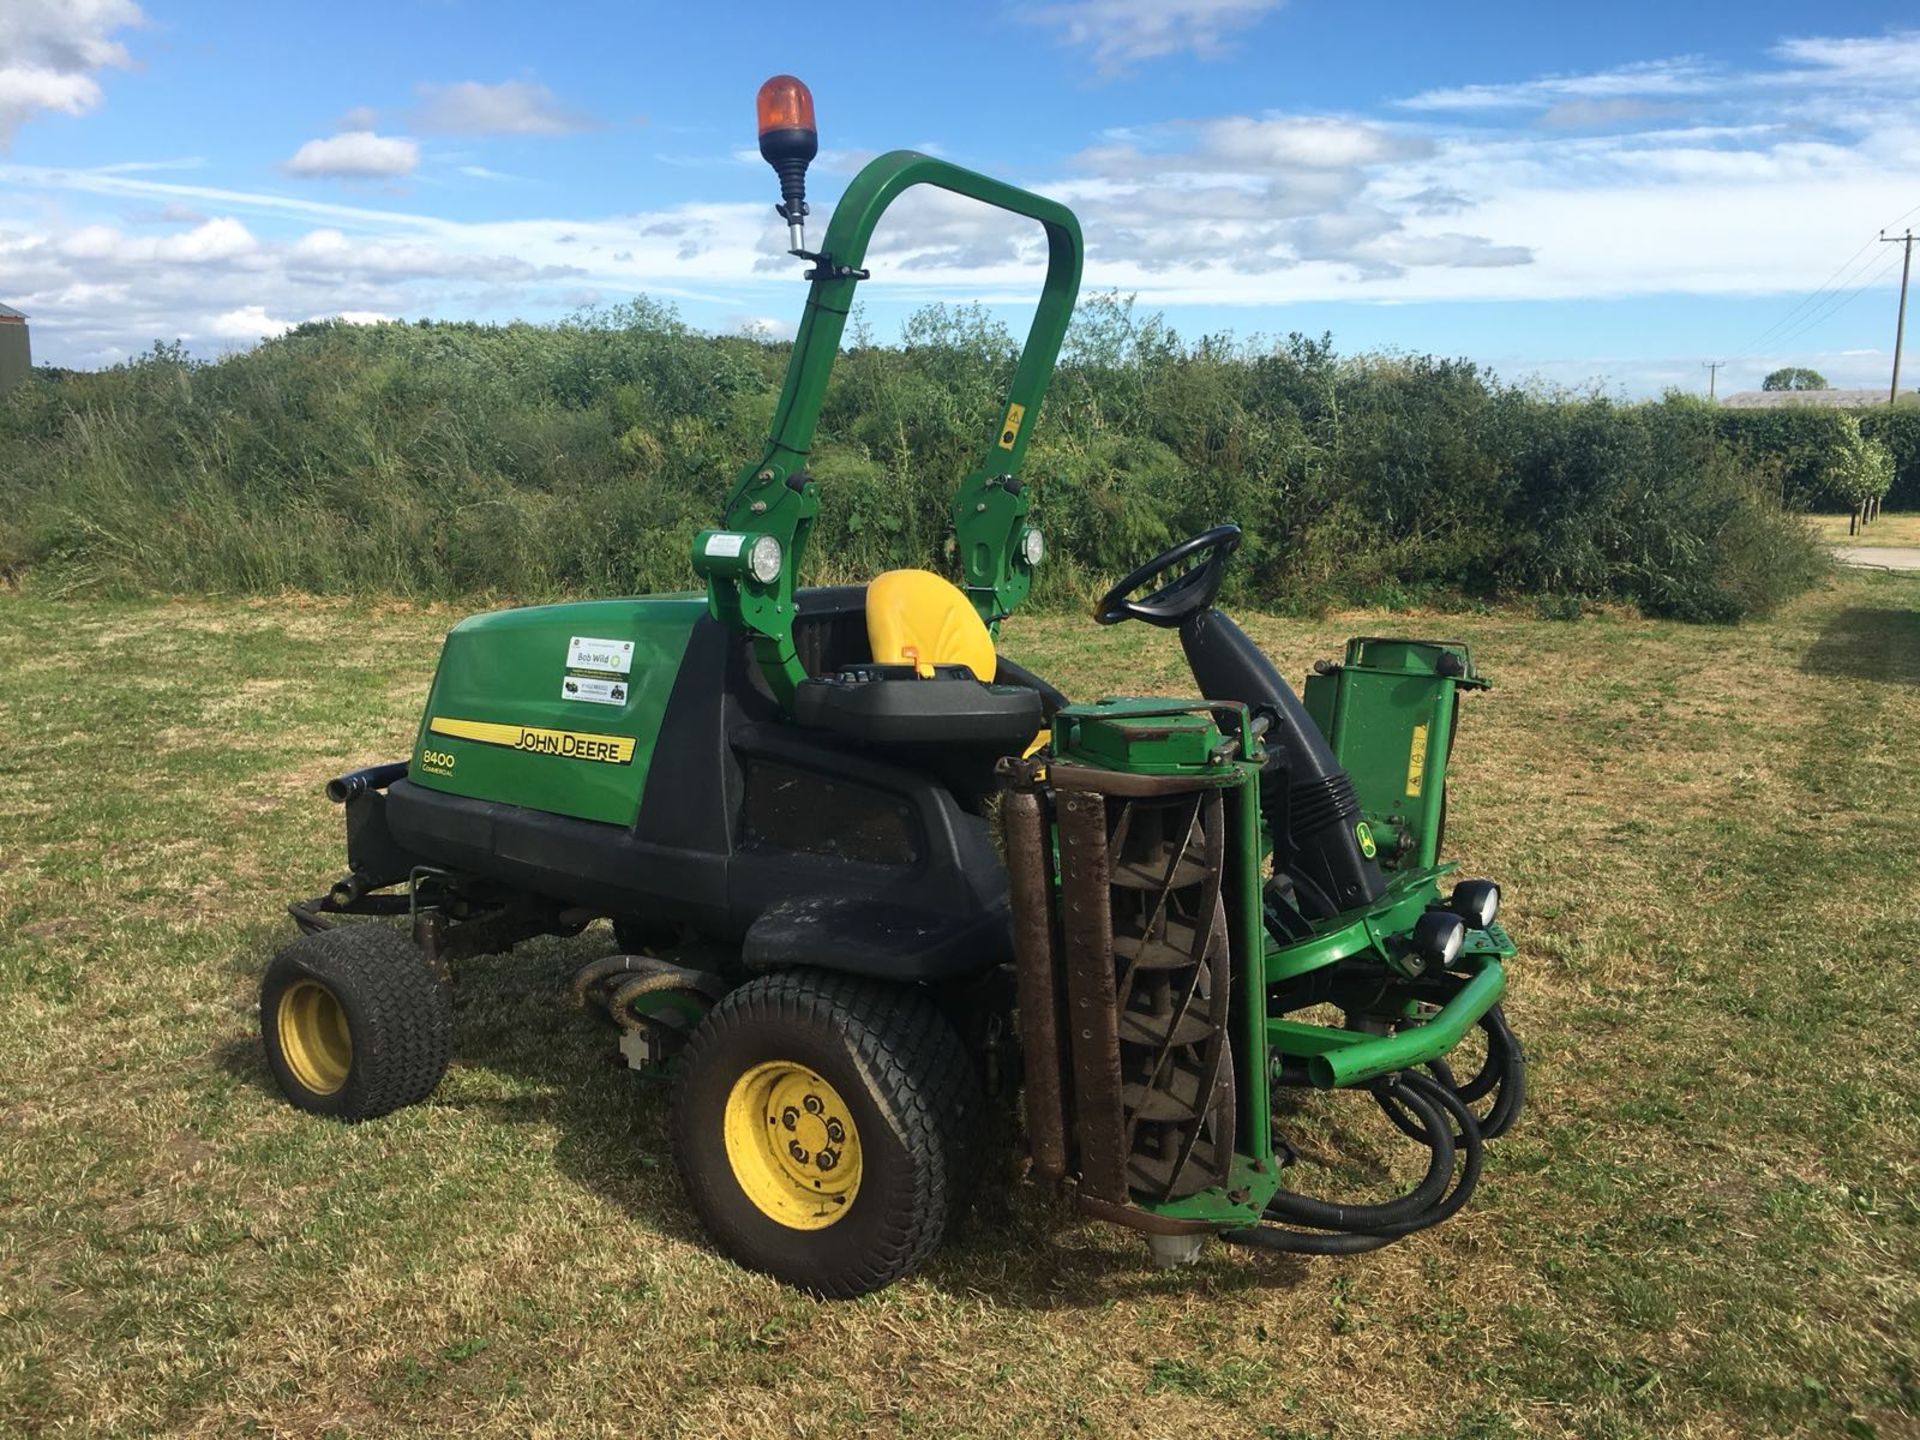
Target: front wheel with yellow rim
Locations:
point(820, 1124)
point(355, 1022)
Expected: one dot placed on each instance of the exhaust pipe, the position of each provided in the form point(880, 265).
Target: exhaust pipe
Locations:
point(355, 783)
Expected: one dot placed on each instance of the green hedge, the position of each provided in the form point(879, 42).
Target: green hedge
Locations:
point(532, 461)
point(1898, 428)
point(1823, 459)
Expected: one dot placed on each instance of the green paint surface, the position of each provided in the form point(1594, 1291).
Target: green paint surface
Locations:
point(1387, 710)
point(508, 667)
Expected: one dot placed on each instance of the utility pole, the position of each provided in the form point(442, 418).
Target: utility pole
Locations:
point(1900, 325)
point(1872, 507)
point(1712, 367)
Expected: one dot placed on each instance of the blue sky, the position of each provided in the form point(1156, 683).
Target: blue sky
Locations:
point(1584, 194)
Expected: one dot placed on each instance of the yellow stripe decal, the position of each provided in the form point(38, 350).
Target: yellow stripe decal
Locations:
point(571, 744)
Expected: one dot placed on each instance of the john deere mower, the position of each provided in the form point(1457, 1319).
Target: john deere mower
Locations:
point(785, 800)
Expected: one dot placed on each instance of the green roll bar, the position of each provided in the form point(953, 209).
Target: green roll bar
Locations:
point(775, 496)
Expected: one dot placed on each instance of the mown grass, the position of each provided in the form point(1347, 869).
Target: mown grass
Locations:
point(1707, 1225)
point(1888, 529)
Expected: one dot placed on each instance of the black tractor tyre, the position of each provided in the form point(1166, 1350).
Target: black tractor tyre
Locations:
point(888, 1066)
point(355, 1022)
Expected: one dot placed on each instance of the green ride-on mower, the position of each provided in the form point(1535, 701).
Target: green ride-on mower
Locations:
point(785, 800)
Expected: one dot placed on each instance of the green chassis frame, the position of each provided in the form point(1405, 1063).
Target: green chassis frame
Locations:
point(775, 496)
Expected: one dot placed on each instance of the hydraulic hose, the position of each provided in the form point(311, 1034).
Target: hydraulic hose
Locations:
point(1472, 1149)
point(1355, 1229)
point(605, 969)
point(1503, 1075)
point(1512, 1075)
point(1324, 1215)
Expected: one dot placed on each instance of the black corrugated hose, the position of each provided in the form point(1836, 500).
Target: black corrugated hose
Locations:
point(1428, 1110)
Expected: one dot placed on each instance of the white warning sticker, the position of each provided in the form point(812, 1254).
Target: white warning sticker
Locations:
point(725, 542)
point(600, 692)
point(613, 656)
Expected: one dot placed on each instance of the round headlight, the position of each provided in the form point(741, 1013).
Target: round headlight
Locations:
point(763, 560)
point(1476, 902)
point(1032, 548)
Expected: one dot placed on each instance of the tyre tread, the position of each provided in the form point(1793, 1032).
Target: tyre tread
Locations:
point(920, 1073)
point(404, 1009)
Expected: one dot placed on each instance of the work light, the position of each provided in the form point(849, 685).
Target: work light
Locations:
point(1476, 902)
point(1438, 936)
point(1032, 548)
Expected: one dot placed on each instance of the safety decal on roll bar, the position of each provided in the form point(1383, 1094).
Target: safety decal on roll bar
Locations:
point(1010, 431)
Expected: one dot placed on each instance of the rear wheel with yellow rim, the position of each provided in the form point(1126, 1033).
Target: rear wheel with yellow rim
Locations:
point(820, 1125)
point(355, 1022)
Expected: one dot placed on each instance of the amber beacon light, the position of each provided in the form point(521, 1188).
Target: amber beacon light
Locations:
point(788, 141)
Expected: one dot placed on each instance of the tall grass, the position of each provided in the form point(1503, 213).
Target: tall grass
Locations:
point(534, 461)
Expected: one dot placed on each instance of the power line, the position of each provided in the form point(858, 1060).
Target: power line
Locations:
point(1806, 300)
point(1838, 302)
point(1835, 278)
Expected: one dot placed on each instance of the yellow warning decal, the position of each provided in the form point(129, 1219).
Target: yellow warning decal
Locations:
point(1010, 431)
point(570, 744)
point(1417, 761)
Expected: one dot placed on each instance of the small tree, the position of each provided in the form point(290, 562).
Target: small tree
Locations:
point(1859, 471)
point(1795, 377)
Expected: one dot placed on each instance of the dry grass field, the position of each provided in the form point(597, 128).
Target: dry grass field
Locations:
point(1707, 1225)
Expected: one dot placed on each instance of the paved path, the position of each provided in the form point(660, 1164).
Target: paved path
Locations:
point(1884, 557)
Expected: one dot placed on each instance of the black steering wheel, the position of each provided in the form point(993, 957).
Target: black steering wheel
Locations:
point(1191, 590)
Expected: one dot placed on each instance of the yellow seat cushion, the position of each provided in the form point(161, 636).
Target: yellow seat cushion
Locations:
point(916, 618)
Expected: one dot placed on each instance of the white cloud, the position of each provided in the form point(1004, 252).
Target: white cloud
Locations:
point(1617, 110)
point(513, 107)
point(761, 327)
point(1258, 146)
point(358, 154)
point(1880, 61)
point(50, 50)
point(1686, 75)
point(1121, 33)
point(1753, 189)
point(105, 248)
point(332, 252)
point(1886, 65)
point(1258, 194)
point(247, 323)
point(98, 293)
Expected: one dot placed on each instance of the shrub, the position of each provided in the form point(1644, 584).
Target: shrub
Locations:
point(528, 461)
